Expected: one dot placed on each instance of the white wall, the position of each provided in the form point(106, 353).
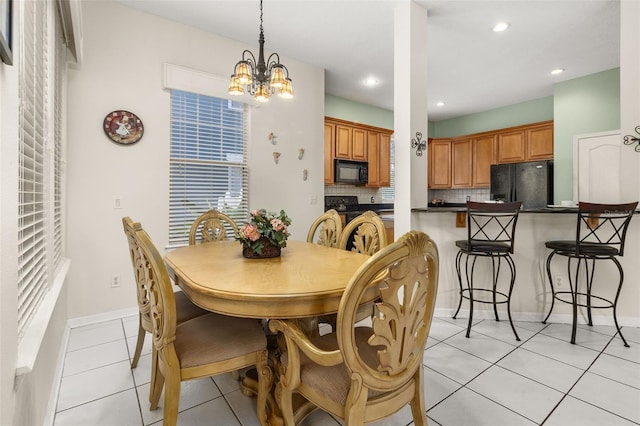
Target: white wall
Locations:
point(124, 53)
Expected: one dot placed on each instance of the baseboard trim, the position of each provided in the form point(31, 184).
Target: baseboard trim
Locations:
point(538, 317)
point(102, 317)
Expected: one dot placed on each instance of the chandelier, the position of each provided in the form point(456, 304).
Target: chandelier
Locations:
point(260, 79)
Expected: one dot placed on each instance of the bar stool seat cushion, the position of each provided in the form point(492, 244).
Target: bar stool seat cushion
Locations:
point(483, 246)
point(586, 249)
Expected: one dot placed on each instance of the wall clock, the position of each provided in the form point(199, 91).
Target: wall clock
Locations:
point(123, 127)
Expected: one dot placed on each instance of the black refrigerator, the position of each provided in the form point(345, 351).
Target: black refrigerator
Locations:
point(530, 182)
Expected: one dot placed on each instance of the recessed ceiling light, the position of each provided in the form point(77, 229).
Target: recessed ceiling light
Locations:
point(370, 81)
point(557, 71)
point(440, 104)
point(500, 26)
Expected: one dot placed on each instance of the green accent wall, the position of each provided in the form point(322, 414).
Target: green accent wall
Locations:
point(584, 105)
point(499, 118)
point(358, 113)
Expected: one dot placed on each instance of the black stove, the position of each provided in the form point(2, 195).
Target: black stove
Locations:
point(341, 203)
point(346, 205)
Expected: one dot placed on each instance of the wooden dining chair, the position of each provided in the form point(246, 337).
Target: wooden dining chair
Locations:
point(203, 346)
point(363, 374)
point(326, 229)
point(212, 225)
point(185, 310)
point(365, 234)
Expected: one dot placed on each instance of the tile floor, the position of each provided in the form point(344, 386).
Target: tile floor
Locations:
point(489, 379)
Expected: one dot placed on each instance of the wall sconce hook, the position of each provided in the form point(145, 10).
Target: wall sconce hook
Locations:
point(419, 144)
point(630, 140)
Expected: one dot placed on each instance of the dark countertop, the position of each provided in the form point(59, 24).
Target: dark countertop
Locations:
point(463, 209)
point(377, 207)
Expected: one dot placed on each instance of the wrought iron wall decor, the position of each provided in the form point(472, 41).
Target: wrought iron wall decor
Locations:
point(419, 144)
point(630, 140)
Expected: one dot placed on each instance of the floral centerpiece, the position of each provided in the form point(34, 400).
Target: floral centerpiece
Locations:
point(265, 234)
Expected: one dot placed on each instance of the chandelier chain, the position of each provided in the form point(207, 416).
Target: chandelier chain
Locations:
point(261, 30)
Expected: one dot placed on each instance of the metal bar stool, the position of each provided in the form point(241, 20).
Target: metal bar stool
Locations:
point(600, 235)
point(490, 234)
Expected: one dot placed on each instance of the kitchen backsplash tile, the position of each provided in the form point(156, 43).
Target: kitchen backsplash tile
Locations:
point(459, 195)
point(363, 193)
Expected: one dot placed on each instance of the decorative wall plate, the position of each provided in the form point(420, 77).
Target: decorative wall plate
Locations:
point(123, 127)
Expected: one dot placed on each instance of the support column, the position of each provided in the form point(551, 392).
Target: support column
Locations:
point(629, 98)
point(410, 111)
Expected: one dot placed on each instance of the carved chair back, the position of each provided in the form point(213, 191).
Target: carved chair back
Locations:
point(327, 228)
point(212, 225)
point(365, 234)
point(162, 305)
point(142, 292)
point(362, 374)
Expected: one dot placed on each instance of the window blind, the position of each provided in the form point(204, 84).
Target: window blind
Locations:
point(208, 161)
point(58, 145)
point(32, 203)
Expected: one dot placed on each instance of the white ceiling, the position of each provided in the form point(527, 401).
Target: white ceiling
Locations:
point(470, 68)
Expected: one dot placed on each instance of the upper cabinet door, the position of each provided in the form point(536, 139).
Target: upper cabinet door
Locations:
point(511, 147)
point(344, 135)
point(462, 163)
point(373, 156)
point(329, 147)
point(359, 145)
point(439, 174)
point(483, 155)
point(385, 159)
point(540, 143)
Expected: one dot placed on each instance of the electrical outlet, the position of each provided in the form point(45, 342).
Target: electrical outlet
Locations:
point(557, 281)
point(115, 281)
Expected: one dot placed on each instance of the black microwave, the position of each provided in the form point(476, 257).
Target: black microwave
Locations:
point(353, 172)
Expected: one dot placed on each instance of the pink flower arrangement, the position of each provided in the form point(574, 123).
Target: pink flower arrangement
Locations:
point(264, 225)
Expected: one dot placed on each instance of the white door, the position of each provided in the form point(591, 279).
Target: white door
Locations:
point(596, 167)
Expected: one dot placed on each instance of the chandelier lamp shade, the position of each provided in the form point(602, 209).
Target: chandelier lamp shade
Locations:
point(259, 78)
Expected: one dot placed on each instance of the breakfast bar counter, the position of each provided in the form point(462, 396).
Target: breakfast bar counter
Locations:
point(532, 294)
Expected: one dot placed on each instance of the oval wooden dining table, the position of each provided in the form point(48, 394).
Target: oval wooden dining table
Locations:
point(307, 280)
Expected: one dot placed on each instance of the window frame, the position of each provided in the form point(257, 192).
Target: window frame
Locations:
point(202, 139)
point(42, 73)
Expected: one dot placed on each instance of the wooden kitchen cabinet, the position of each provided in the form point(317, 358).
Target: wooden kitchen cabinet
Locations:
point(471, 162)
point(373, 154)
point(465, 161)
point(358, 142)
point(384, 160)
point(526, 143)
point(329, 150)
point(344, 137)
point(540, 143)
point(461, 163)
point(439, 162)
point(483, 157)
point(511, 147)
point(379, 158)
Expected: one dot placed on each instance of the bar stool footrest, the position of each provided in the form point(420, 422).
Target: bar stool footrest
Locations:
point(504, 297)
point(609, 304)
